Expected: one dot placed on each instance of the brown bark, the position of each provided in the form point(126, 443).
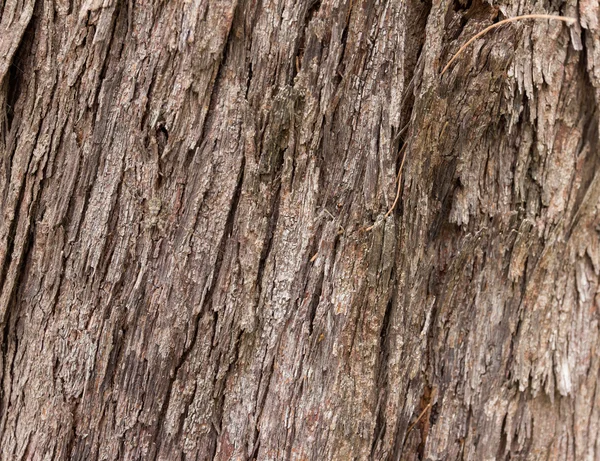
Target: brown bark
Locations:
point(186, 274)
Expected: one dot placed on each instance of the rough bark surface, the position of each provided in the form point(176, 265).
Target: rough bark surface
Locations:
point(186, 273)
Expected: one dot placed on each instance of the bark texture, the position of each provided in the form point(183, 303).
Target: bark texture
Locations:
point(186, 273)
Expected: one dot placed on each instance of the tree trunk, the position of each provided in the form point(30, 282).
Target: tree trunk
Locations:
point(196, 259)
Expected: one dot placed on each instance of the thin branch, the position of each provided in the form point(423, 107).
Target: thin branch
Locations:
point(389, 212)
point(458, 53)
point(418, 419)
point(506, 21)
point(400, 133)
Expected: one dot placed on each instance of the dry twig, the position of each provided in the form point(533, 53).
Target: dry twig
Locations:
point(506, 21)
point(398, 176)
point(458, 53)
point(418, 419)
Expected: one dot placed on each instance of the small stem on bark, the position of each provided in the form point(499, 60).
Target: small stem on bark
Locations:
point(506, 21)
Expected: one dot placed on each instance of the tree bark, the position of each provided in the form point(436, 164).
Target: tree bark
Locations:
point(188, 268)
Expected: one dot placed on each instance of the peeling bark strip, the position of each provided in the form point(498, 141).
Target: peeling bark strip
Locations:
point(185, 274)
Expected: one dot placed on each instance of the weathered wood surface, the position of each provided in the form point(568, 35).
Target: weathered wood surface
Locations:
point(185, 188)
